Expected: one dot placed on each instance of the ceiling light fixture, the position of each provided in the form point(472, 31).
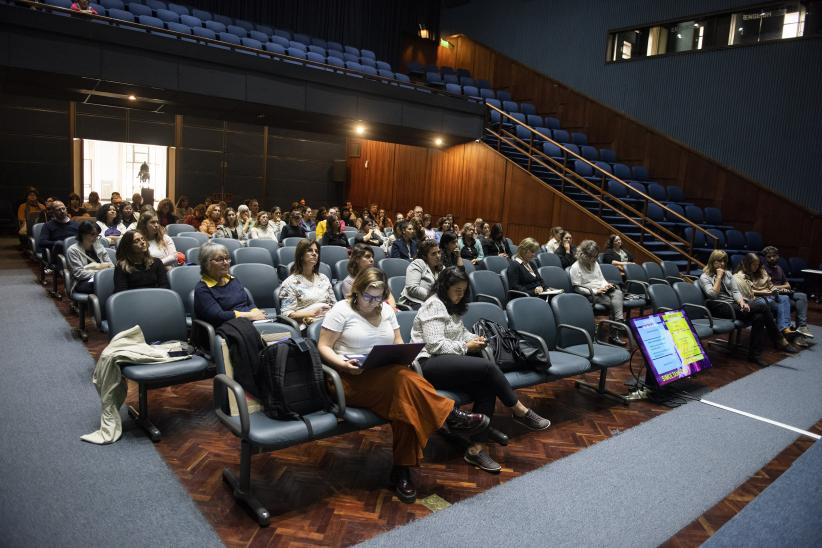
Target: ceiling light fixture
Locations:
point(132, 98)
point(360, 129)
point(438, 141)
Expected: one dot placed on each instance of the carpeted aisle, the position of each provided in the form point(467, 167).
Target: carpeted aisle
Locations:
point(641, 487)
point(56, 490)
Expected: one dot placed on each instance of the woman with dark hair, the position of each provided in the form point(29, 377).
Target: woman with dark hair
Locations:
point(395, 393)
point(496, 244)
point(182, 209)
point(136, 268)
point(276, 220)
point(362, 257)
point(108, 219)
point(448, 249)
point(405, 244)
point(160, 245)
point(74, 207)
point(306, 295)
point(428, 230)
point(128, 220)
point(165, 212)
point(196, 217)
point(218, 296)
point(723, 294)
point(383, 221)
point(443, 225)
point(566, 251)
point(615, 254)
point(332, 235)
point(421, 274)
point(369, 233)
point(93, 203)
point(231, 228)
point(451, 360)
point(85, 257)
point(470, 246)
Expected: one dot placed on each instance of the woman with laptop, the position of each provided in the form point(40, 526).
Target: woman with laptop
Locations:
point(395, 392)
point(451, 360)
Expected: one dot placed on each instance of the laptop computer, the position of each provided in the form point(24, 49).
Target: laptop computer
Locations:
point(387, 354)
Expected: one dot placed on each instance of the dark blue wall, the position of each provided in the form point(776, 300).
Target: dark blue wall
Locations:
point(755, 109)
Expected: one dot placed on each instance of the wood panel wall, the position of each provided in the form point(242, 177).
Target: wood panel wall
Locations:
point(470, 181)
point(745, 203)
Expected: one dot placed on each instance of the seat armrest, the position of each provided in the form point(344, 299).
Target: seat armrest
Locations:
point(586, 291)
point(658, 280)
point(338, 389)
point(640, 283)
point(204, 338)
point(485, 298)
point(729, 306)
point(242, 406)
point(403, 307)
point(588, 340)
point(285, 320)
point(704, 309)
point(516, 294)
point(663, 309)
point(674, 279)
point(94, 302)
point(537, 339)
point(622, 326)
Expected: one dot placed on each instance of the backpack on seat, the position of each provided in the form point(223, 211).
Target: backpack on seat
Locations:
point(291, 381)
point(510, 351)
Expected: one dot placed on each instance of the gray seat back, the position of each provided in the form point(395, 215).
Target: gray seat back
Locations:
point(395, 285)
point(270, 245)
point(534, 315)
point(256, 255)
point(484, 311)
point(158, 312)
point(690, 293)
point(230, 244)
point(378, 253)
point(340, 269)
point(193, 256)
point(394, 266)
point(199, 236)
point(406, 320)
point(556, 277)
point(184, 243)
point(611, 274)
point(663, 295)
point(182, 281)
point(103, 289)
point(488, 283)
point(635, 272)
point(175, 229)
point(573, 309)
point(494, 263)
point(331, 254)
point(261, 281)
point(292, 241)
point(285, 255)
point(670, 269)
point(549, 259)
point(653, 270)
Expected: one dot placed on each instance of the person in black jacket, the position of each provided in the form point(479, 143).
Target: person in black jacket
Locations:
point(615, 254)
point(496, 244)
point(405, 246)
point(332, 235)
point(136, 268)
point(522, 271)
point(294, 227)
point(566, 250)
point(57, 230)
point(450, 252)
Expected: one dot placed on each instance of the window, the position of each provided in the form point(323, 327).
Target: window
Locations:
point(119, 167)
point(752, 26)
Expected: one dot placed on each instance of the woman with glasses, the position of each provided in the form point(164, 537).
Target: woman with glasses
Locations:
point(306, 295)
point(587, 277)
point(219, 296)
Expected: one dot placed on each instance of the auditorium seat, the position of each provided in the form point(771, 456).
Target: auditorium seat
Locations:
point(178, 8)
point(608, 155)
point(487, 93)
point(139, 9)
point(225, 20)
point(214, 26)
point(168, 16)
point(579, 138)
point(202, 15)
point(191, 21)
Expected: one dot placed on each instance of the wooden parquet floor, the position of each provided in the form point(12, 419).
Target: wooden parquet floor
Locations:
point(332, 492)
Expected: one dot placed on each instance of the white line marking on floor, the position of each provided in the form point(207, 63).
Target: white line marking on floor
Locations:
point(763, 419)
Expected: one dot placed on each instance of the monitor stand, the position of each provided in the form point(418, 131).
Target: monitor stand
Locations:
point(669, 395)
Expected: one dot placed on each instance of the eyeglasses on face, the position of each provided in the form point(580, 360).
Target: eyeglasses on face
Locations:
point(221, 259)
point(371, 299)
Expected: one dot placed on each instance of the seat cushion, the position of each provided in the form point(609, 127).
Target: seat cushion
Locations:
point(567, 365)
point(164, 371)
point(635, 302)
point(527, 377)
point(458, 397)
point(722, 325)
point(703, 328)
point(604, 355)
point(79, 297)
point(359, 417)
point(275, 434)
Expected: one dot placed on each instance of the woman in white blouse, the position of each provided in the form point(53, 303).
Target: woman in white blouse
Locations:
point(446, 363)
point(306, 295)
point(160, 244)
point(262, 230)
point(395, 393)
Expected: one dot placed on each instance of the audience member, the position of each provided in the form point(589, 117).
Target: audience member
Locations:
point(781, 284)
point(182, 209)
point(83, 7)
point(108, 219)
point(116, 199)
point(726, 301)
point(587, 277)
point(56, 231)
point(615, 254)
point(451, 360)
point(93, 204)
point(85, 257)
point(75, 206)
point(369, 233)
point(165, 212)
point(553, 242)
point(405, 244)
point(137, 201)
point(566, 251)
point(421, 274)
point(395, 393)
point(443, 225)
point(306, 295)
point(294, 229)
point(522, 272)
point(27, 210)
point(470, 246)
point(276, 220)
point(128, 220)
point(309, 223)
point(485, 233)
point(196, 217)
point(160, 244)
point(496, 244)
point(230, 228)
point(219, 296)
point(383, 221)
point(262, 229)
point(448, 249)
point(427, 229)
point(332, 235)
point(254, 207)
point(213, 220)
point(136, 268)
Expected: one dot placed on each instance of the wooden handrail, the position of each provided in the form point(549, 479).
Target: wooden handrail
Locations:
point(564, 175)
point(606, 175)
point(239, 47)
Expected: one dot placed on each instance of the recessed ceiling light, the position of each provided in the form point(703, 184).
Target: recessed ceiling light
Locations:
point(438, 141)
point(360, 129)
point(132, 98)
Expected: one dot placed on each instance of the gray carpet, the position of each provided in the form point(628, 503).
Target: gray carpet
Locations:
point(787, 513)
point(641, 487)
point(56, 490)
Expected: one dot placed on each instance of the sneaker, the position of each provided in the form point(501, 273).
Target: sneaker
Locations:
point(532, 421)
point(483, 461)
point(804, 331)
point(495, 436)
point(800, 342)
point(467, 423)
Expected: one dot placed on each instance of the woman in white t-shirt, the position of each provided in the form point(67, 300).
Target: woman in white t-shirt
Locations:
point(395, 393)
point(160, 244)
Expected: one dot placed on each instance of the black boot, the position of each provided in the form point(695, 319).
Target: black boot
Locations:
point(402, 484)
point(466, 423)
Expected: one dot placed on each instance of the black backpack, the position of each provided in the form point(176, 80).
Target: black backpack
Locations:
point(510, 350)
point(291, 381)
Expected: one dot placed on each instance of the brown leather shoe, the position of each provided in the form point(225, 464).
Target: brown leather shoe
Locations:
point(402, 484)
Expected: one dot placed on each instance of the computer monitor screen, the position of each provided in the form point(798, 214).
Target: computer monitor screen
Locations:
point(670, 345)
